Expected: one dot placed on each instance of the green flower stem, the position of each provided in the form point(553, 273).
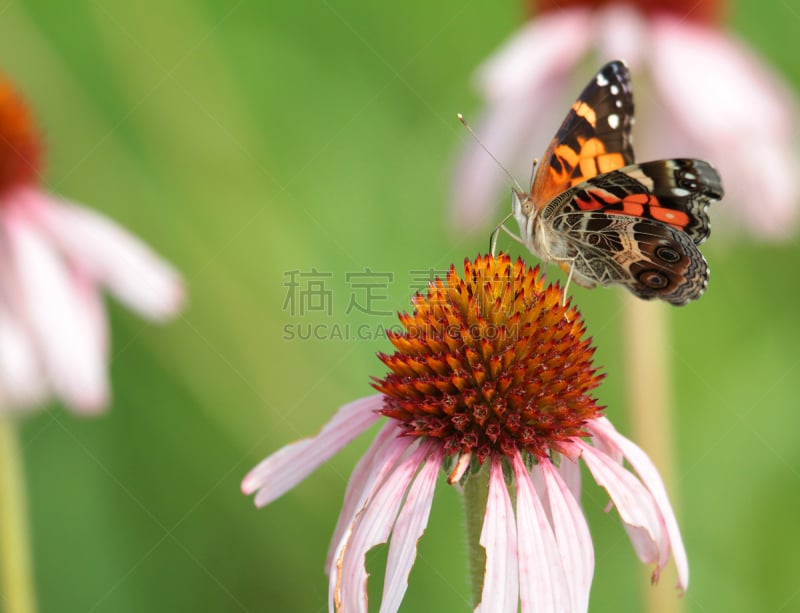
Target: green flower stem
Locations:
point(476, 493)
point(16, 579)
point(651, 412)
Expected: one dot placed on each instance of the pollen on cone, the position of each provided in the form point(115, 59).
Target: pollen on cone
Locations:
point(490, 362)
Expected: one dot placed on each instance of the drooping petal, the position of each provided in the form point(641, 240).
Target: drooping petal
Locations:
point(571, 474)
point(729, 99)
point(386, 453)
point(762, 186)
point(499, 538)
point(621, 33)
point(110, 254)
point(62, 315)
point(22, 383)
point(408, 529)
point(649, 475)
point(543, 584)
point(548, 46)
point(286, 468)
point(370, 528)
point(572, 536)
point(366, 477)
point(635, 505)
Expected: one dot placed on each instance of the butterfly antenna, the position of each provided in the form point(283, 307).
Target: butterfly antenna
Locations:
point(482, 146)
point(533, 169)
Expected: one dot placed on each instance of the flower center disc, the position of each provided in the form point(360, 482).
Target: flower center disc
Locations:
point(491, 362)
point(20, 147)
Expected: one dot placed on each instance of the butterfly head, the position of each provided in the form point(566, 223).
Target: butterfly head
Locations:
point(521, 204)
point(524, 211)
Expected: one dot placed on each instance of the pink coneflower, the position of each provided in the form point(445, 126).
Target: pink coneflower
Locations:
point(709, 96)
point(54, 258)
point(492, 381)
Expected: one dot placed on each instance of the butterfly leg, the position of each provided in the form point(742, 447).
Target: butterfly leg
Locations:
point(569, 279)
point(555, 258)
point(496, 232)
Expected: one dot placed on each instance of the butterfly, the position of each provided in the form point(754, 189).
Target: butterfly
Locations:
point(608, 220)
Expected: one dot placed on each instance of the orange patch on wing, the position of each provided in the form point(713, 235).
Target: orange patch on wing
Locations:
point(592, 148)
point(567, 155)
point(588, 205)
point(610, 161)
point(632, 209)
point(584, 110)
point(678, 219)
point(588, 169)
point(637, 199)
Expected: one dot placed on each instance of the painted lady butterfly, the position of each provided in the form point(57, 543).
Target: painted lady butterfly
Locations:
point(604, 218)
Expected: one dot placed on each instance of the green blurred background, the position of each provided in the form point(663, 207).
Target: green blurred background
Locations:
point(244, 140)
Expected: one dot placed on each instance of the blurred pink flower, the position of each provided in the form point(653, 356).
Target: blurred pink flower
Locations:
point(54, 258)
point(709, 96)
point(492, 371)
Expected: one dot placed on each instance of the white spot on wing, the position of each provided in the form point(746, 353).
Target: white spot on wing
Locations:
point(613, 121)
point(680, 192)
point(614, 90)
point(689, 176)
point(601, 80)
point(618, 104)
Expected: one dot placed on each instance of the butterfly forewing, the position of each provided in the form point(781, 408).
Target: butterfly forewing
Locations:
point(594, 138)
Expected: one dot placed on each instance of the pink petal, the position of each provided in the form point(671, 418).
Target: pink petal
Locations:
point(111, 255)
point(762, 187)
point(384, 463)
point(499, 539)
point(621, 34)
point(570, 472)
point(635, 505)
point(728, 98)
point(22, 384)
point(408, 529)
point(543, 583)
point(366, 478)
point(63, 316)
point(572, 536)
point(714, 82)
point(548, 46)
point(289, 466)
point(370, 528)
point(648, 473)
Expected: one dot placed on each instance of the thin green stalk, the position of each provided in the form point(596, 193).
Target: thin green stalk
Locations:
point(651, 412)
point(476, 493)
point(16, 578)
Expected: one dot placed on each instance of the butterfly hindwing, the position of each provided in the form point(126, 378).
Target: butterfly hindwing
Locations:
point(594, 138)
point(675, 192)
point(652, 259)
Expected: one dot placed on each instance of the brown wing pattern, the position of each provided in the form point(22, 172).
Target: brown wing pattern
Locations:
point(594, 138)
point(650, 258)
